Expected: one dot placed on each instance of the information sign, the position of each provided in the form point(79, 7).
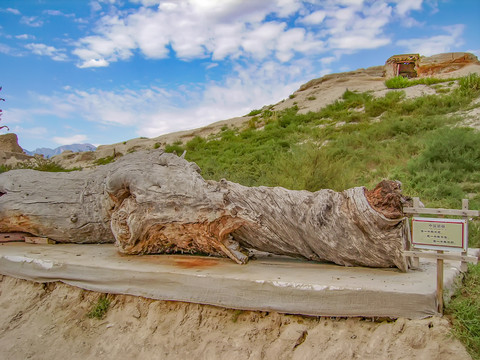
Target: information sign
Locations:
point(440, 234)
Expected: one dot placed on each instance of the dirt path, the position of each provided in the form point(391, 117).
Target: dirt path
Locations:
point(49, 321)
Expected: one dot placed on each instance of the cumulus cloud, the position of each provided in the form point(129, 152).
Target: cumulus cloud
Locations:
point(405, 6)
point(94, 63)
point(195, 29)
point(45, 50)
point(74, 139)
point(435, 44)
point(154, 111)
point(314, 18)
point(358, 26)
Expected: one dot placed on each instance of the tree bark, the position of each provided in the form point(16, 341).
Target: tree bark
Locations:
point(153, 202)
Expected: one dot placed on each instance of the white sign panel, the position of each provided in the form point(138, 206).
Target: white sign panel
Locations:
point(440, 234)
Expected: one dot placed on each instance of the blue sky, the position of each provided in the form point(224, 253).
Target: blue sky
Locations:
point(105, 71)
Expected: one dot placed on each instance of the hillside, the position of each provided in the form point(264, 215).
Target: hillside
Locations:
point(338, 131)
point(48, 153)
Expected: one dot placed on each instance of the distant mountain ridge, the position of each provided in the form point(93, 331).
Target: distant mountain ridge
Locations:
point(48, 153)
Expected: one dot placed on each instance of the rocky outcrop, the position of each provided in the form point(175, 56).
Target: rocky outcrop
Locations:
point(374, 72)
point(11, 154)
point(445, 63)
point(9, 143)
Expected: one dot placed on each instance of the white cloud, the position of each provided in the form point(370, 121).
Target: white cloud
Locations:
point(94, 63)
point(8, 50)
point(11, 11)
point(25, 37)
point(155, 111)
point(314, 18)
point(45, 50)
point(57, 13)
point(32, 21)
point(75, 139)
point(405, 6)
point(435, 44)
point(358, 27)
point(199, 29)
point(33, 132)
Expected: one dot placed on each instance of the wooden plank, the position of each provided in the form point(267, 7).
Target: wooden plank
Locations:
point(415, 259)
point(11, 237)
point(440, 282)
point(464, 265)
point(452, 212)
point(38, 240)
point(432, 255)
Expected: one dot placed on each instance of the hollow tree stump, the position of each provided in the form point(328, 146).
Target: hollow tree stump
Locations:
point(153, 202)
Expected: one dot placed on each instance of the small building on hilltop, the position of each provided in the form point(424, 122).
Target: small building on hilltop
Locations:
point(402, 65)
point(413, 65)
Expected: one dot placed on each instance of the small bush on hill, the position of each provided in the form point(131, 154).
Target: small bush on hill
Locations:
point(254, 112)
point(99, 310)
point(105, 160)
point(39, 164)
point(400, 82)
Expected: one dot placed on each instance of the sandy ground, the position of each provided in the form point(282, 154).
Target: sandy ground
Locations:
point(49, 321)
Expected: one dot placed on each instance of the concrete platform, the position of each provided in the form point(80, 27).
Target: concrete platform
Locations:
point(267, 283)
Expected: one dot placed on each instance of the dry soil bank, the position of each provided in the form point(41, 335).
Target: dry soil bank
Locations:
point(49, 321)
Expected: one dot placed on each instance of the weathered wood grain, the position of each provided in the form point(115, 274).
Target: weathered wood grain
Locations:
point(152, 202)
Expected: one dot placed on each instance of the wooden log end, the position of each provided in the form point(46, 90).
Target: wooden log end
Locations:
point(387, 199)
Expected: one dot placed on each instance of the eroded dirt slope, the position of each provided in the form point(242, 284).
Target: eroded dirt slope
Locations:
point(49, 321)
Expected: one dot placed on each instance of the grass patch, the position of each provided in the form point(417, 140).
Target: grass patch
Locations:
point(105, 160)
point(464, 309)
point(99, 310)
point(38, 164)
point(309, 151)
point(236, 314)
point(176, 147)
point(254, 112)
point(400, 82)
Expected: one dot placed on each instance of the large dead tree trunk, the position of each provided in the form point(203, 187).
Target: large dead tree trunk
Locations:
point(152, 202)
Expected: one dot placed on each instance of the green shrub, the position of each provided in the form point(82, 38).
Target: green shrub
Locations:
point(195, 144)
point(39, 164)
point(311, 98)
point(5, 168)
point(105, 160)
point(397, 82)
point(400, 82)
point(99, 310)
point(254, 112)
point(252, 123)
point(156, 145)
point(176, 147)
point(464, 309)
point(470, 83)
